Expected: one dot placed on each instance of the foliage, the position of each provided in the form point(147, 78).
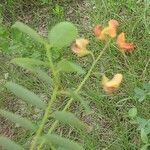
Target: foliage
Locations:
point(143, 124)
point(70, 32)
point(143, 93)
point(60, 36)
point(111, 129)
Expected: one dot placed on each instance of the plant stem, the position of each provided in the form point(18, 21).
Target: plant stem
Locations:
point(49, 55)
point(51, 101)
point(92, 55)
point(54, 125)
point(48, 109)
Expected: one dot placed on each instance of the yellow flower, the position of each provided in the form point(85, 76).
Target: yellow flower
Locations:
point(79, 47)
point(110, 30)
point(112, 85)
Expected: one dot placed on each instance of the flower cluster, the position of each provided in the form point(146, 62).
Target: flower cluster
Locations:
point(103, 33)
point(111, 31)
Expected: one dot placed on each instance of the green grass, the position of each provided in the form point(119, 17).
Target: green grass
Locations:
point(114, 108)
point(112, 129)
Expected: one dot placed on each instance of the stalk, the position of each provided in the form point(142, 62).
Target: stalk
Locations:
point(54, 125)
point(51, 101)
point(46, 115)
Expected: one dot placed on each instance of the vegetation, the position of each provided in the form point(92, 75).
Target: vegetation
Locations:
point(74, 75)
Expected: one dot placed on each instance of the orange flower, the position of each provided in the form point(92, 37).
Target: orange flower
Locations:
point(113, 24)
point(98, 31)
point(112, 85)
point(121, 42)
point(79, 47)
point(110, 30)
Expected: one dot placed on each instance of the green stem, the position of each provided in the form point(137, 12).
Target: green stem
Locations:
point(91, 69)
point(46, 115)
point(49, 55)
point(125, 59)
point(145, 17)
point(54, 125)
point(51, 101)
point(92, 55)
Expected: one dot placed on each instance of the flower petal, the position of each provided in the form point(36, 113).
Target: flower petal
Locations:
point(121, 42)
point(81, 42)
point(115, 81)
point(98, 30)
point(128, 46)
point(104, 80)
point(79, 47)
point(75, 48)
point(83, 53)
point(105, 33)
point(113, 23)
point(110, 30)
point(121, 39)
point(110, 86)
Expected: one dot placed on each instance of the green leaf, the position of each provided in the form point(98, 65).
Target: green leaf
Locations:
point(33, 65)
point(18, 119)
point(8, 144)
point(144, 137)
point(145, 147)
point(146, 86)
point(26, 29)
point(132, 112)
point(71, 119)
point(84, 103)
point(62, 34)
point(67, 66)
point(139, 94)
point(25, 94)
point(141, 122)
point(28, 62)
point(62, 148)
point(43, 76)
point(147, 127)
point(62, 142)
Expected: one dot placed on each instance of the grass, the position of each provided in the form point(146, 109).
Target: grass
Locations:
point(111, 127)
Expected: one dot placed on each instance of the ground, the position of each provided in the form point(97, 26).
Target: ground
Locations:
point(111, 125)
